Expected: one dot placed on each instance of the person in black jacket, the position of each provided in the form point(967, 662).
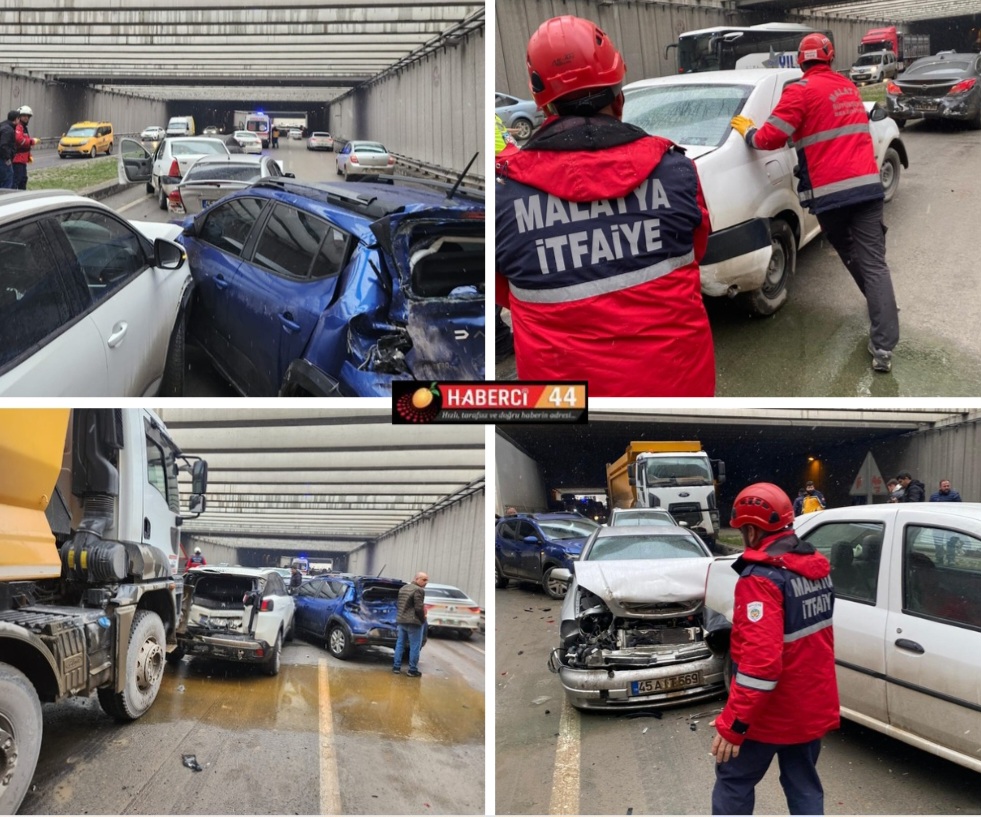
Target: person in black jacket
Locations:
point(7, 151)
point(913, 489)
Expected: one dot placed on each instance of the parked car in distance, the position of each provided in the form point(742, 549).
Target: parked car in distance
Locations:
point(86, 139)
point(235, 614)
point(163, 168)
point(907, 619)
point(248, 141)
point(620, 517)
point(88, 300)
point(319, 140)
point(153, 133)
point(296, 134)
point(358, 159)
point(338, 290)
point(348, 612)
point(450, 610)
point(522, 115)
point(758, 224)
point(531, 547)
point(874, 66)
point(212, 177)
point(630, 633)
point(944, 86)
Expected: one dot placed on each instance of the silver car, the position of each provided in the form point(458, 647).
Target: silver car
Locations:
point(520, 115)
point(364, 159)
point(631, 633)
point(212, 177)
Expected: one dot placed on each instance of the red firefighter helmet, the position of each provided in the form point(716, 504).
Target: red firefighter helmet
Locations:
point(815, 47)
point(762, 504)
point(568, 54)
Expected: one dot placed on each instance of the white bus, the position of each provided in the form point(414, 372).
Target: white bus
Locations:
point(719, 48)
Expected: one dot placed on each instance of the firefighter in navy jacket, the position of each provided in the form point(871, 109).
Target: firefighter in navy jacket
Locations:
point(839, 178)
point(600, 228)
point(783, 697)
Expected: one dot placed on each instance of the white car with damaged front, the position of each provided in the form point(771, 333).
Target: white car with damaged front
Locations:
point(631, 630)
point(758, 224)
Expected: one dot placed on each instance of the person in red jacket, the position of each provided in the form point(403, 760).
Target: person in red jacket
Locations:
point(23, 142)
point(783, 697)
point(839, 179)
point(600, 228)
point(195, 560)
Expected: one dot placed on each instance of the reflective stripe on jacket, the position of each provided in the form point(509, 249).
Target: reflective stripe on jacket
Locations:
point(825, 116)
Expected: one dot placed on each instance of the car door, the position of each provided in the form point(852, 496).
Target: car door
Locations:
point(48, 344)
point(341, 157)
point(135, 304)
point(278, 295)
point(506, 545)
point(530, 544)
point(135, 162)
point(276, 610)
point(933, 644)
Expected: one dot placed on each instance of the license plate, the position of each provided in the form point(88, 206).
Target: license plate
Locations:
point(923, 105)
point(655, 685)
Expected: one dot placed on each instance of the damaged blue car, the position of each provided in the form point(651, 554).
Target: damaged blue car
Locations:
point(320, 289)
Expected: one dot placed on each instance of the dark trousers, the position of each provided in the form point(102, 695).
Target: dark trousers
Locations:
point(859, 237)
point(735, 781)
point(20, 175)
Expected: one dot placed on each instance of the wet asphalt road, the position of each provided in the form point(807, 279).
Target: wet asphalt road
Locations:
point(553, 760)
point(816, 345)
point(323, 737)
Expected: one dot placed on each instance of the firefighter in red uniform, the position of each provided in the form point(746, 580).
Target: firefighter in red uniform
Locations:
point(783, 697)
point(600, 228)
point(839, 179)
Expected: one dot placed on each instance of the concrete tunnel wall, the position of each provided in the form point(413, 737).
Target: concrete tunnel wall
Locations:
point(642, 32)
point(431, 110)
point(448, 545)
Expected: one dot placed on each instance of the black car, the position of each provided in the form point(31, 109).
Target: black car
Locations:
point(944, 86)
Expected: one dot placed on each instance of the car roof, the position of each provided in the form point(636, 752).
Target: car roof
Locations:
point(356, 142)
point(232, 158)
point(236, 570)
point(739, 76)
point(965, 510)
point(16, 203)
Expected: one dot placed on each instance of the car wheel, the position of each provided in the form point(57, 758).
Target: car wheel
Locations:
point(338, 643)
point(92, 152)
point(464, 634)
point(172, 382)
point(556, 589)
point(144, 669)
point(21, 726)
point(162, 197)
point(339, 172)
point(500, 581)
point(109, 150)
point(62, 156)
point(524, 128)
point(149, 187)
point(889, 173)
point(975, 122)
point(773, 294)
point(271, 667)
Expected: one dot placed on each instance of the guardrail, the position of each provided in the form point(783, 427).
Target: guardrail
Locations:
point(439, 173)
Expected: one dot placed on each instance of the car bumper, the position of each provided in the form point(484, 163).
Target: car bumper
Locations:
point(934, 108)
point(453, 622)
point(736, 259)
point(375, 637)
point(228, 647)
point(607, 689)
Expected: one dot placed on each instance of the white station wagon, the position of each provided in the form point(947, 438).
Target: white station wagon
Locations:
point(907, 619)
point(758, 224)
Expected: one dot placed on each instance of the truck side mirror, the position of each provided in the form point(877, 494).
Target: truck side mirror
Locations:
point(199, 477)
point(720, 470)
point(197, 503)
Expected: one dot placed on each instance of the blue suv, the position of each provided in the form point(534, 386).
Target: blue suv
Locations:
point(319, 289)
point(528, 547)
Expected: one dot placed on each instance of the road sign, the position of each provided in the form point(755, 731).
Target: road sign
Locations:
point(868, 481)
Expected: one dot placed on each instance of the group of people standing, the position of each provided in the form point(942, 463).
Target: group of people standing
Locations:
point(15, 148)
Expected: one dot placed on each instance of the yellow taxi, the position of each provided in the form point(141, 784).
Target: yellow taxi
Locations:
point(86, 139)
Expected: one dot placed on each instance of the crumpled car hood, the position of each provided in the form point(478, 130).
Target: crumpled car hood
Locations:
point(627, 583)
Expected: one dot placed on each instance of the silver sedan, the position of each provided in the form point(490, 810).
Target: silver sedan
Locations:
point(212, 177)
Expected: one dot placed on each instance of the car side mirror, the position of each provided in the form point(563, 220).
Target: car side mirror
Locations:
point(561, 574)
point(167, 254)
point(531, 540)
point(878, 113)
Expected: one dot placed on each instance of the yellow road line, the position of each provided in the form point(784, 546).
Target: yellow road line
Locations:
point(565, 781)
point(330, 788)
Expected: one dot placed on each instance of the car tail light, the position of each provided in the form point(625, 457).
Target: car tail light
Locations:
point(893, 88)
point(428, 607)
point(266, 606)
point(175, 170)
point(175, 198)
point(963, 87)
point(474, 609)
point(391, 160)
point(354, 158)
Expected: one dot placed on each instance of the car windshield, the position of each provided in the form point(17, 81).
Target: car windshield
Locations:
point(321, 136)
point(369, 147)
point(86, 132)
point(869, 59)
point(641, 518)
point(643, 546)
point(444, 593)
point(686, 114)
point(223, 172)
point(567, 528)
point(195, 148)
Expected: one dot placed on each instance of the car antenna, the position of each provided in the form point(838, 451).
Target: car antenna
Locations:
point(378, 574)
point(460, 180)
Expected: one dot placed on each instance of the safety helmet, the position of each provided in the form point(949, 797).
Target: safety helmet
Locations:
point(815, 47)
point(25, 110)
point(568, 54)
point(762, 504)
point(197, 550)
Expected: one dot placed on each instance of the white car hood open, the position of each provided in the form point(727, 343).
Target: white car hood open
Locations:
point(638, 582)
point(154, 230)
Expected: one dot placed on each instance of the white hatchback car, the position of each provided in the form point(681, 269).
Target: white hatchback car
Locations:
point(758, 224)
point(164, 166)
point(235, 614)
point(88, 300)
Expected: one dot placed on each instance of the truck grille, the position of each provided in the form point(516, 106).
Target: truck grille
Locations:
point(688, 512)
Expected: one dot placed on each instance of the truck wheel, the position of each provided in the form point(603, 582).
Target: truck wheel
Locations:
point(338, 643)
point(555, 588)
point(271, 667)
point(144, 669)
point(773, 294)
point(500, 581)
point(20, 737)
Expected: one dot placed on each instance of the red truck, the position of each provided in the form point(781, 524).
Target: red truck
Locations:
point(906, 47)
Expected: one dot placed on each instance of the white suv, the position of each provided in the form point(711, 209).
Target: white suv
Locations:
point(88, 300)
point(235, 614)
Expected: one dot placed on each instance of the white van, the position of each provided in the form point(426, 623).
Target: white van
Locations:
point(181, 126)
point(874, 66)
